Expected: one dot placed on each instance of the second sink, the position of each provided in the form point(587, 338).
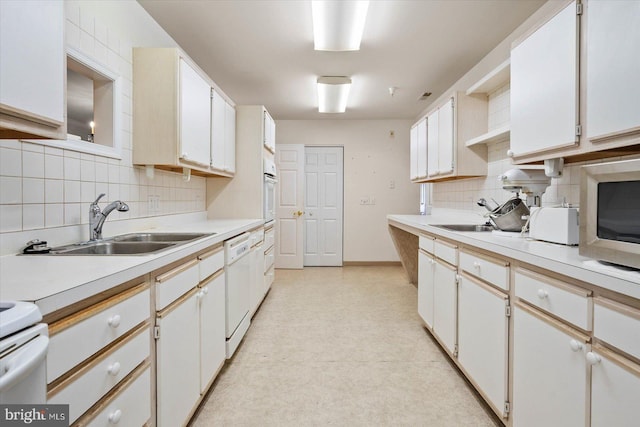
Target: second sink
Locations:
point(160, 237)
point(465, 227)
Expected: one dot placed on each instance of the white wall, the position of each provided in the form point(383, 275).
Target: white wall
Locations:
point(372, 159)
point(46, 191)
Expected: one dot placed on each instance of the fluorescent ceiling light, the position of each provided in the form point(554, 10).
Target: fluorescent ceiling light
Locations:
point(333, 93)
point(338, 25)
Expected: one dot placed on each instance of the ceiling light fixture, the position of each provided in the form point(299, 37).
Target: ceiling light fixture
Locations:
point(338, 25)
point(333, 93)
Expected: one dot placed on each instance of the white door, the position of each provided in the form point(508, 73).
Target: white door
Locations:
point(323, 203)
point(195, 116)
point(229, 138)
point(426, 267)
point(422, 148)
point(217, 131)
point(413, 147)
point(445, 301)
point(445, 138)
point(289, 206)
point(432, 143)
point(212, 323)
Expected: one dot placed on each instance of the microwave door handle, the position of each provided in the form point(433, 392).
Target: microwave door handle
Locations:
point(24, 361)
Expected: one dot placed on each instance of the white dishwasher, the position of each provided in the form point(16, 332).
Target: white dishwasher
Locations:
point(237, 266)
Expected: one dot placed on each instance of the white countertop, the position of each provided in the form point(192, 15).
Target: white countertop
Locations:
point(551, 256)
point(54, 282)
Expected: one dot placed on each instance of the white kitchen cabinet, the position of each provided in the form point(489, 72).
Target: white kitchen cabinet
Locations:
point(544, 86)
point(422, 148)
point(230, 138)
point(448, 126)
point(483, 333)
point(218, 122)
point(413, 152)
point(212, 328)
point(550, 384)
point(269, 133)
point(172, 113)
point(445, 301)
point(32, 70)
point(177, 364)
point(613, 66)
point(426, 283)
point(615, 387)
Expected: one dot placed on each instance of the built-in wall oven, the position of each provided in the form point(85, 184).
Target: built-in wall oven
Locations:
point(269, 193)
point(610, 212)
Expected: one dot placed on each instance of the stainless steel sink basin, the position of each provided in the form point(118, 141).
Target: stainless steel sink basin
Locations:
point(112, 247)
point(465, 227)
point(160, 237)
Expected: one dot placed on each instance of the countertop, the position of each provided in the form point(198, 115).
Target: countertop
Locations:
point(55, 282)
point(551, 256)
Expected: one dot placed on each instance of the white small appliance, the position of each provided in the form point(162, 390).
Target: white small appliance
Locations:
point(555, 224)
point(237, 266)
point(269, 191)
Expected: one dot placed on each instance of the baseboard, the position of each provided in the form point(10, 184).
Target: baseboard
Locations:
point(371, 264)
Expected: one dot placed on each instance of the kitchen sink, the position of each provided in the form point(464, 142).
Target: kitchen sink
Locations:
point(160, 237)
point(129, 244)
point(465, 227)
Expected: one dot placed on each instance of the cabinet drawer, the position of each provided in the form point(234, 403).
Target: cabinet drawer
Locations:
point(446, 251)
point(210, 262)
point(130, 406)
point(269, 276)
point(269, 238)
point(565, 301)
point(617, 325)
point(175, 283)
point(268, 259)
point(86, 386)
point(74, 339)
point(426, 243)
point(488, 269)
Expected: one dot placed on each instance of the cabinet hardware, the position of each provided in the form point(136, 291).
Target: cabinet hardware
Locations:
point(156, 332)
point(455, 350)
point(578, 130)
point(507, 310)
point(578, 8)
point(507, 407)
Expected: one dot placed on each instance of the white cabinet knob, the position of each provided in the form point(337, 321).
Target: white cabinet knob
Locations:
point(542, 294)
point(205, 290)
point(576, 345)
point(476, 265)
point(510, 153)
point(593, 359)
point(114, 417)
point(114, 369)
point(199, 295)
point(114, 321)
point(185, 155)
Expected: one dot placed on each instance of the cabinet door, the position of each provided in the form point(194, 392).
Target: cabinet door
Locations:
point(615, 388)
point(445, 138)
point(32, 69)
point(422, 148)
point(549, 372)
point(178, 367)
point(445, 301)
point(613, 66)
point(426, 267)
point(269, 132)
point(218, 112)
point(229, 138)
point(413, 152)
point(432, 143)
point(212, 327)
point(256, 291)
point(544, 70)
point(195, 116)
point(482, 338)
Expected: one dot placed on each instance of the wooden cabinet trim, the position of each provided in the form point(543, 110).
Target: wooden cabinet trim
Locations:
point(554, 282)
point(423, 252)
point(211, 278)
point(487, 258)
point(168, 309)
point(447, 243)
point(487, 287)
point(212, 252)
point(76, 318)
point(618, 359)
point(569, 330)
point(618, 307)
point(173, 273)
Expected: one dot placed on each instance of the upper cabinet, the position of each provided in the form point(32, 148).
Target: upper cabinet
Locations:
point(613, 67)
point(544, 86)
point(418, 141)
point(269, 132)
point(180, 121)
point(574, 91)
point(443, 134)
point(32, 70)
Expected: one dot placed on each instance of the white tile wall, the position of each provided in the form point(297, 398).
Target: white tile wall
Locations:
point(45, 187)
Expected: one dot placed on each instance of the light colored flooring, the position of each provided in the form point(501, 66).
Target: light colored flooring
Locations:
point(343, 347)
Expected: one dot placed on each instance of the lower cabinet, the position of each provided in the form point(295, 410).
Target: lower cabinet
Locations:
point(550, 383)
point(483, 333)
point(445, 300)
point(212, 328)
point(426, 269)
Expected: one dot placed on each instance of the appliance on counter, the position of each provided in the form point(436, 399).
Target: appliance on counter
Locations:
point(269, 190)
point(555, 224)
point(237, 266)
point(610, 205)
point(23, 350)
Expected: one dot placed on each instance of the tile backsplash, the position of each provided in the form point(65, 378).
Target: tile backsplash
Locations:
point(43, 187)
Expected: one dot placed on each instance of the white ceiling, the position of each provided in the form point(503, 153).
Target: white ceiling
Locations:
point(261, 51)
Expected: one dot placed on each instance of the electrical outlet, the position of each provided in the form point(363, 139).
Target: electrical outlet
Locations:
point(154, 204)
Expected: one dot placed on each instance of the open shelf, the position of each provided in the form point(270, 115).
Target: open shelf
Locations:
point(493, 80)
point(500, 134)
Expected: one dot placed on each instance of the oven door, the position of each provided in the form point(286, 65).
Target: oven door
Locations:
point(269, 198)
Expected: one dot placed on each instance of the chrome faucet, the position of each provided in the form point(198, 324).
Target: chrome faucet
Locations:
point(98, 217)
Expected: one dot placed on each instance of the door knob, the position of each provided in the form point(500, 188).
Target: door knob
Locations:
point(298, 213)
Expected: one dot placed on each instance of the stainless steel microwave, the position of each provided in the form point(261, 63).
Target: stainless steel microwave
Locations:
point(610, 212)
